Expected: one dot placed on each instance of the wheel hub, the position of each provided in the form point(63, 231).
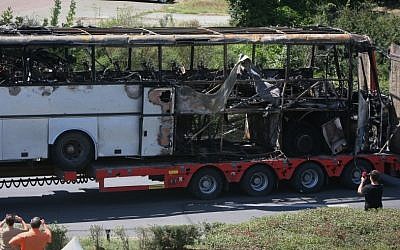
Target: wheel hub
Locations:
point(207, 184)
point(309, 178)
point(304, 143)
point(259, 181)
point(70, 149)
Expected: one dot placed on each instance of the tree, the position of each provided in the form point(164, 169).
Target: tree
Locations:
point(281, 12)
point(6, 16)
point(71, 14)
point(55, 13)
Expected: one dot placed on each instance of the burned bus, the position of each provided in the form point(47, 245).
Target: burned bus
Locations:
point(74, 95)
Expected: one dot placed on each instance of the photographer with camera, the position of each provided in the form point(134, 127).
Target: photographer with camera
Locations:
point(372, 191)
point(34, 239)
point(10, 231)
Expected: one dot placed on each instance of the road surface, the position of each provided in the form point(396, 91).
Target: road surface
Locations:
point(80, 206)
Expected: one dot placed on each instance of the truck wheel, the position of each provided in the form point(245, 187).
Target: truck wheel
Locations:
point(73, 151)
point(308, 178)
point(258, 180)
point(351, 175)
point(206, 184)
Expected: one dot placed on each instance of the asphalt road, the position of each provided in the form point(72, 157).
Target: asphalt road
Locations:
point(79, 206)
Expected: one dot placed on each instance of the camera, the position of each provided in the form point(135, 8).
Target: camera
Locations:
point(364, 174)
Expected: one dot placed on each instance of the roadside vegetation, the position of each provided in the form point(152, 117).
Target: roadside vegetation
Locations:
point(219, 7)
point(322, 228)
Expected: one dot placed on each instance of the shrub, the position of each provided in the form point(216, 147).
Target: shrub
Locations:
point(59, 237)
point(168, 237)
point(96, 235)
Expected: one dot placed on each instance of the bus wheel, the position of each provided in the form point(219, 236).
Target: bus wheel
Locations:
point(258, 180)
point(301, 139)
point(351, 175)
point(308, 178)
point(206, 184)
point(73, 151)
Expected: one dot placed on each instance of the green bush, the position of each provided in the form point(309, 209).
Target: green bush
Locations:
point(168, 237)
point(59, 237)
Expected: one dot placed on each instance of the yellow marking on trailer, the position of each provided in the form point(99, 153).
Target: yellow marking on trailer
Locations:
point(157, 186)
point(173, 172)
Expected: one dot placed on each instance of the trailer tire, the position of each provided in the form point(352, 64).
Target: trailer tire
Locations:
point(258, 181)
point(308, 178)
point(206, 184)
point(351, 175)
point(73, 151)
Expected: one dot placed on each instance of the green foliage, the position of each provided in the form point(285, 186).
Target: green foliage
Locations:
point(96, 235)
point(382, 28)
point(324, 228)
point(6, 16)
point(281, 12)
point(71, 14)
point(45, 22)
point(19, 20)
point(199, 7)
point(168, 237)
point(59, 237)
point(120, 232)
point(55, 13)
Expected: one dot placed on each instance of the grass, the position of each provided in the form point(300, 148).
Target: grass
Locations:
point(324, 228)
point(219, 7)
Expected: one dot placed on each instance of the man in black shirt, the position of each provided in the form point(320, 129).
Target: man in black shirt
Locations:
point(372, 192)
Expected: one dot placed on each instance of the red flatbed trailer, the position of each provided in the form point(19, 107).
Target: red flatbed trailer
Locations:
point(256, 177)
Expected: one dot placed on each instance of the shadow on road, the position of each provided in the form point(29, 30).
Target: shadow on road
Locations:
point(88, 206)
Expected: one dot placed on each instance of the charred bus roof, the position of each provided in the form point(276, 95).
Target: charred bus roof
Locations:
point(175, 36)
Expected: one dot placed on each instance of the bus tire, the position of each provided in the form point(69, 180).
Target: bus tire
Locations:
point(301, 139)
point(73, 151)
point(351, 175)
point(258, 181)
point(206, 184)
point(308, 178)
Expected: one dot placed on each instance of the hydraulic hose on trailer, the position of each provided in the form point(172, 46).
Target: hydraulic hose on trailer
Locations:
point(41, 181)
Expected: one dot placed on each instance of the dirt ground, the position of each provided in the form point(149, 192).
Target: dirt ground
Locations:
point(85, 8)
point(90, 12)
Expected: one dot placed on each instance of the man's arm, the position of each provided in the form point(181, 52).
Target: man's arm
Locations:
point(24, 225)
point(360, 187)
point(46, 231)
point(2, 224)
point(16, 240)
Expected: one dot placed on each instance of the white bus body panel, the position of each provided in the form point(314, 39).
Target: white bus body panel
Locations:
point(158, 125)
point(158, 101)
point(24, 138)
point(119, 136)
point(88, 125)
point(157, 137)
point(71, 100)
point(108, 114)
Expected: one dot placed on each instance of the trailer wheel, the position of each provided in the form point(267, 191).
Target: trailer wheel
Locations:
point(206, 184)
point(73, 151)
point(258, 180)
point(351, 175)
point(308, 178)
